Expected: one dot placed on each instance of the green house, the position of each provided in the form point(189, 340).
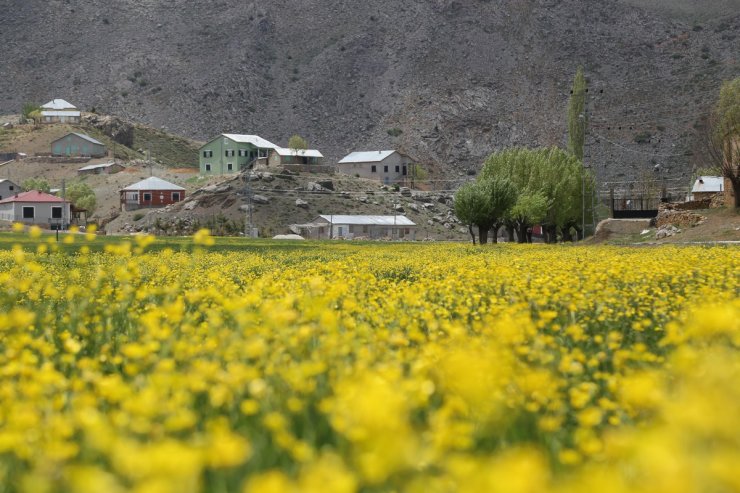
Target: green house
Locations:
point(230, 153)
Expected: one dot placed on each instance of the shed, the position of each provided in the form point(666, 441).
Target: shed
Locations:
point(385, 166)
point(76, 144)
point(358, 226)
point(100, 169)
point(282, 155)
point(152, 192)
point(8, 188)
point(60, 111)
point(706, 187)
point(35, 207)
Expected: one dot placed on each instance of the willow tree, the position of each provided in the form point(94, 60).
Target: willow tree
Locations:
point(484, 204)
point(577, 115)
point(727, 133)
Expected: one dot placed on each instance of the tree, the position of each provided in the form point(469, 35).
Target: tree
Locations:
point(530, 209)
point(36, 184)
point(29, 108)
point(484, 204)
point(82, 196)
point(577, 115)
point(297, 143)
point(723, 144)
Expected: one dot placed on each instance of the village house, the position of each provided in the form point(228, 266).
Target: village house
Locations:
point(328, 226)
point(229, 153)
point(385, 166)
point(706, 187)
point(35, 207)
point(101, 169)
point(8, 188)
point(152, 192)
point(60, 111)
point(76, 145)
point(282, 156)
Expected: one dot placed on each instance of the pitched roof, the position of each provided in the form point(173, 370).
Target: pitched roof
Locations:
point(152, 183)
point(97, 166)
point(82, 136)
point(365, 157)
point(708, 184)
point(284, 151)
point(34, 196)
point(369, 220)
point(59, 104)
point(255, 140)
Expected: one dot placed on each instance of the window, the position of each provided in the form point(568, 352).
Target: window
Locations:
point(208, 167)
point(229, 152)
point(148, 196)
point(373, 168)
point(207, 153)
point(230, 166)
point(29, 212)
point(404, 170)
point(56, 212)
point(11, 187)
point(385, 169)
point(397, 169)
point(176, 196)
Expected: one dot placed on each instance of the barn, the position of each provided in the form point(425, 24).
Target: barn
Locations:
point(75, 145)
point(152, 192)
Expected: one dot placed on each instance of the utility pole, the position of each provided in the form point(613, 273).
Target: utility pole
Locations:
point(64, 197)
point(584, 118)
point(249, 226)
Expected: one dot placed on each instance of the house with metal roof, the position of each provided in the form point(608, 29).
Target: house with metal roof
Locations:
point(385, 166)
point(152, 192)
point(706, 187)
point(35, 207)
point(343, 226)
point(281, 156)
point(8, 188)
point(101, 169)
point(60, 111)
point(76, 145)
point(230, 153)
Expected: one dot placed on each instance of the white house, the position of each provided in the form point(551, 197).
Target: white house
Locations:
point(60, 111)
point(35, 207)
point(8, 188)
point(330, 226)
point(385, 166)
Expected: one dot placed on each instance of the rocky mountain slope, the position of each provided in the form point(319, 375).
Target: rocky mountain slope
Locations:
point(449, 81)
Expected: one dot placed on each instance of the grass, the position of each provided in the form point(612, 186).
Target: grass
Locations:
point(170, 150)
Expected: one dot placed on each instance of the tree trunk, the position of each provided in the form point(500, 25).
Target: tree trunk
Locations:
point(579, 233)
point(495, 233)
point(482, 235)
point(567, 235)
point(472, 233)
point(529, 235)
point(522, 233)
point(510, 233)
point(736, 190)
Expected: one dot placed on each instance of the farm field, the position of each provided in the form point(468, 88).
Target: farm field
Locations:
point(220, 365)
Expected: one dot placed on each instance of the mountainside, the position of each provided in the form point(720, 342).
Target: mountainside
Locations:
point(449, 81)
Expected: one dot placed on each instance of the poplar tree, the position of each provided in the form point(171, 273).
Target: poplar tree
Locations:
point(577, 115)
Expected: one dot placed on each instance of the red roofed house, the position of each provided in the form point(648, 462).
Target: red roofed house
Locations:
point(152, 192)
point(36, 207)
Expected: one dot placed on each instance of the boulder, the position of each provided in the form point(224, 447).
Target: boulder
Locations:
point(328, 184)
point(301, 203)
point(405, 191)
point(265, 176)
point(260, 199)
point(315, 187)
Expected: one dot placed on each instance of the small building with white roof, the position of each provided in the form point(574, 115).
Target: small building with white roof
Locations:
point(706, 187)
point(76, 145)
point(282, 155)
point(60, 111)
point(230, 153)
point(343, 226)
point(8, 188)
point(384, 166)
point(152, 192)
point(101, 169)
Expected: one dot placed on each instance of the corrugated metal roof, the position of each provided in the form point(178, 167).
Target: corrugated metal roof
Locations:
point(60, 113)
point(82, 136)
point(255, 140)
point(33, 196)
point(300, 152)
point(708, 184)
point(59, 104)
point(365, 157)
point(369, 220)
point(96, 166)
point(152, 183)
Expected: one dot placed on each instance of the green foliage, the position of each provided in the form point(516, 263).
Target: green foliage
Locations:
point(297, 143)
point(530, 208)
point(643, 137)
point(394, 132)
point(29, 108)
point(728, 109)
point(36, 184)
point(418, 172)
point(577, 118)
point(82, 196)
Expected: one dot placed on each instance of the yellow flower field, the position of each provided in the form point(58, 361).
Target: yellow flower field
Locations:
point(339, 368)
